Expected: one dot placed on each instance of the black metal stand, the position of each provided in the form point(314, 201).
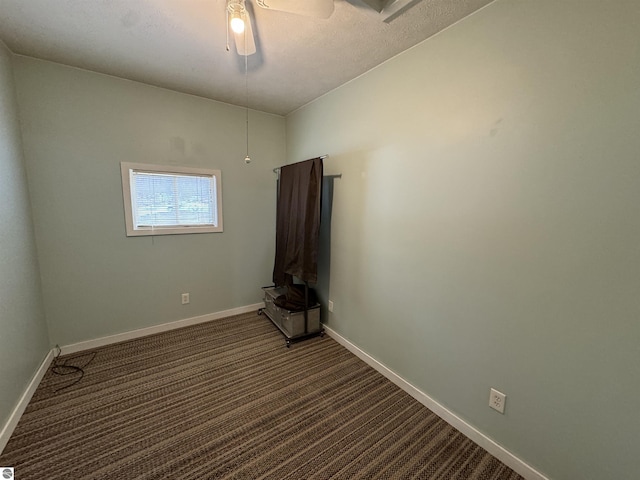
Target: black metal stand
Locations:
point(296, 338)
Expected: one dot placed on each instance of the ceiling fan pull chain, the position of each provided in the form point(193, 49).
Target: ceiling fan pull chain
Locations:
point(227, 10)
point(247, 159)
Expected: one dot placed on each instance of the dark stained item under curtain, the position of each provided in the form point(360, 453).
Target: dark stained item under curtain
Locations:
point(296, 297)
point(298, 222)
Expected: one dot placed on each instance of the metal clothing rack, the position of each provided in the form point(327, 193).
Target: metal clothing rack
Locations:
point(307, 333)
point(276, 320)
point(277, 169)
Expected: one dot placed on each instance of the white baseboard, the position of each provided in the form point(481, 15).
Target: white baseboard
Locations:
point(448, 416)
point(165, 327)
point(14, 418)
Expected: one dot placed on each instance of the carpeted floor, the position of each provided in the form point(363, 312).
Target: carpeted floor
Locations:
point(228, 400)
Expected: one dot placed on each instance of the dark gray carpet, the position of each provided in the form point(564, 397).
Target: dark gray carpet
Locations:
point(227, 400)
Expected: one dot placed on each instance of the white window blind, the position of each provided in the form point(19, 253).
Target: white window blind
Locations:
point(161, 200)
point(164, 200)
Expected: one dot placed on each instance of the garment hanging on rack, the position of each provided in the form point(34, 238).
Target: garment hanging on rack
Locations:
point(298, 222)
point(296, 298)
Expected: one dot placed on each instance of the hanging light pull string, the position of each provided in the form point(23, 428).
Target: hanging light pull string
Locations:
point(247, 159)
point(227, 11)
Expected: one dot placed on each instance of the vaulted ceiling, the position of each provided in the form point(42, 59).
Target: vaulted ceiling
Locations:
point(181, 44)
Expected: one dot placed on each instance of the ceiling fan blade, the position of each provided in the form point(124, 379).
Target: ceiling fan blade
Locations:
point(308, 8)
point(245, 43)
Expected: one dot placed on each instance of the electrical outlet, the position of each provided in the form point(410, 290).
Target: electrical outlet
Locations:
point(330, 306)
point(497, 400)
point(185, 298)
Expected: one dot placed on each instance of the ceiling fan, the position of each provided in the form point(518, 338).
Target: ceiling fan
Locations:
point(240, 22)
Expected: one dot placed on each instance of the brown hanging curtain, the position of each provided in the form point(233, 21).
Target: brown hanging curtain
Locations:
point(298, 222)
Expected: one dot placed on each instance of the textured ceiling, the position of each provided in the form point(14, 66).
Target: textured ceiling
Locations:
point(180, 44)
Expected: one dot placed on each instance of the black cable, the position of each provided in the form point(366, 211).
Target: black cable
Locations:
point(66, 369)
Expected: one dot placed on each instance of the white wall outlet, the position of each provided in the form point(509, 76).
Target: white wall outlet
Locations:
point(497, 400)
point(330, 306)
point(185, 298)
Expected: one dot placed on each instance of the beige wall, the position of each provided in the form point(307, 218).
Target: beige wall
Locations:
point(77, 128)
point(24, 341)
point(486, 228)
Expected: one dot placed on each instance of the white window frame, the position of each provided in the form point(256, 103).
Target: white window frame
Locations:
point(126, 170)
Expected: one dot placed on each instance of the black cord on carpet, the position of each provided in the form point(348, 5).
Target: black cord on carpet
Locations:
point(65, 368)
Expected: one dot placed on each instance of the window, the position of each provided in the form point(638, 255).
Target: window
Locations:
point(167, 199)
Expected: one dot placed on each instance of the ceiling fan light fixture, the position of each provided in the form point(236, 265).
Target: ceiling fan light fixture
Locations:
point(237, 22)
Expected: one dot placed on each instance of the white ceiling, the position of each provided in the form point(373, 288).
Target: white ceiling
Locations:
point(180, 44)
